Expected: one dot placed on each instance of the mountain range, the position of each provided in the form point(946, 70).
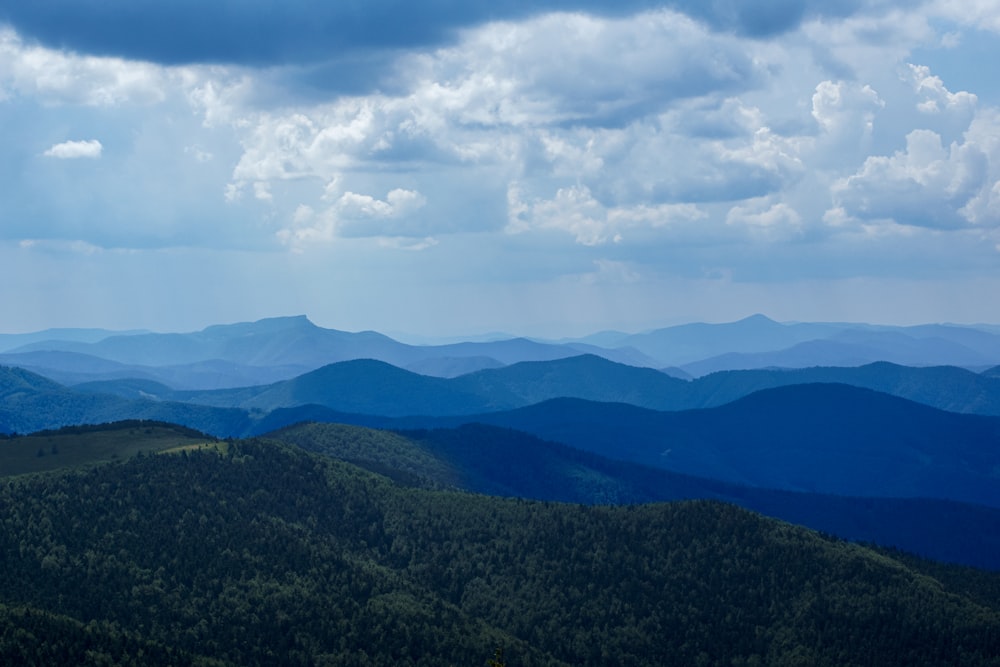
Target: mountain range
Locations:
point(811, 445)
point(257, 552)
point(278, 492)
point(235, 355)
point(505, 462)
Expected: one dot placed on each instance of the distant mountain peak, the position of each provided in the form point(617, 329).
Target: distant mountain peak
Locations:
point(757, 318)
point(268, 324)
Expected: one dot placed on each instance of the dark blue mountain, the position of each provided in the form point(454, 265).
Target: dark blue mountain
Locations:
point(375, 387)
point(505, 462)
point(943, 387)
point(30, 402)
point(588, 377)
point(362, 385)
point(820, 438)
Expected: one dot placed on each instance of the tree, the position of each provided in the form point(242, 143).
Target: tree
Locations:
point(497, 659)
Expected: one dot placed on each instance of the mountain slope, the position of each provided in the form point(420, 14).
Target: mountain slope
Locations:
point(850, 348)
point(298, 343)
point(504, 462)
point(943, 387)
point(10, 341)
point(374, 387)
point(819, 438)
point(362, 385)
point(76, 446)
point(267, 552)
point(30, 402)
point(687, 343)
point(587, 376)
point(758, 341)
point(273, 341)
point(74, 368)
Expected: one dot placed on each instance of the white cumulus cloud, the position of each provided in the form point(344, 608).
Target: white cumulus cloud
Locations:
point(764, 215)
point(359, 215)
point(69, 150)
point(937, 97)
point(575, 210)
point(925, 185)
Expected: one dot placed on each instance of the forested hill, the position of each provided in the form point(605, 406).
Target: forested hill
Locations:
point(504, 462)
point(260, 553)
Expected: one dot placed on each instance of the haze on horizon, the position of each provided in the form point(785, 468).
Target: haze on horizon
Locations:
point(451, 168)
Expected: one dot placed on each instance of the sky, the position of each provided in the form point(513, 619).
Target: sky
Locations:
point(445, 167)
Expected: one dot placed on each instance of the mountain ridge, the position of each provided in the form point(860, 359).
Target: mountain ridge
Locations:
point(266, 550)
point(296, 344)
point(749, 442)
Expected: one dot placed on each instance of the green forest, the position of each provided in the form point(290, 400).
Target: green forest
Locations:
point(256, 552)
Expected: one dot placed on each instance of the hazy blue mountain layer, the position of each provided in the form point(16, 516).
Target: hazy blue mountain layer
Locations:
point(590, 378)
point(294, 343)
point(274, 349)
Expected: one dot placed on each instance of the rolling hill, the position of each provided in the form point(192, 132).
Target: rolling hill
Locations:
point(76, 446)
point(943, 387)
point(823, 438)
point(851, 348)
point(266, 553)
point(503, 462)
point(758, 342)
point(820, 438)
point(377, 388)
point(9, 341)
point(374, 387)
point(279, 348)
point(30, 402)
point(274, 349)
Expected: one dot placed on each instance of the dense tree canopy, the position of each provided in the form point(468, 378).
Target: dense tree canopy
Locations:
point(258, 553)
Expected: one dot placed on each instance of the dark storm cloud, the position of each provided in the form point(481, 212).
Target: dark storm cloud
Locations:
point(283, 32)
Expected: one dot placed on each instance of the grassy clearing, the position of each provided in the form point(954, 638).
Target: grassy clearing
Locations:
point(220, 446)
point(78, 446)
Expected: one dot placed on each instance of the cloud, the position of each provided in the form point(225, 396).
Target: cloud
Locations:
point(983, 209)
point(580, 68)
point(407, 243)
point(262, 191)
point(69, 150)
point(575, 211)
point(983, 14)
point(309, 143)
point(925, 185)
point(766, 217)
point(57, 77)
point(506, 93)
point(943, 111)
point(61, 247)
point(359, 215)
point(884, 33)
point(937, 98)
point(661, 160)
point(841, 105)
point(281, 32)
point(398, 202)
point(554, 143)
